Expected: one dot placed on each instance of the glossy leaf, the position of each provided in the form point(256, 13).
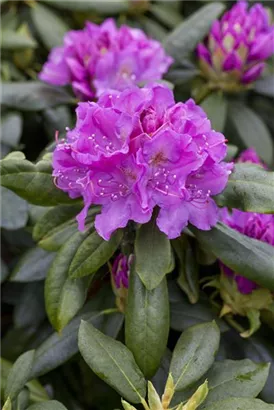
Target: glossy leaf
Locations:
point(194, 354)
point(153, 254)
point(249, 188)
point(251, 130)
point(33, 96)
point(118, 6)
point(188, 268)
point(49, 25)
point(112, 362)
point(93, 253)
point(239, 404)
point(32, 266)
point(47, 405)
point(215, 106)
point(246, 256)
point(19, 374)
point(64, 297)
point(14, 210)
point(239, 378)
point(29, 311)
point(147, 323)
point(185, 37)
point(32, 182)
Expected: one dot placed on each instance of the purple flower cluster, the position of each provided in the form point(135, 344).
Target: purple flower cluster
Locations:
point(136, 150)
point(238, 44)
point(254, 225)
point(104, 58)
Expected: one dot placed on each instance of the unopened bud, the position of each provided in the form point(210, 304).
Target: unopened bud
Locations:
point(153, 398)
point(198, 397)
point(168, 393)
point(127, 406)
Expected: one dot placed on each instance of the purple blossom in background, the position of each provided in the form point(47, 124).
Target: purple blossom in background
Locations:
point(120, 270)
point(238, 45)
point(254, 225)
point(103, 57)
point(135, 150)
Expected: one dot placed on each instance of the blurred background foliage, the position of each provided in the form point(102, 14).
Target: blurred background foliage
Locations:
point(31, 113)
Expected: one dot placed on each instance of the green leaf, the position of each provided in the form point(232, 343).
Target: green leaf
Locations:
point(64, 297)
point(56, 226)
point(33, 182)
point(101, 7)
point(181, 76)
point(112, 362)
point(47, 405)
point(249, 188)
point(29, 311)
point(232, 151)
point(58, 348)
point(166, 14)
point(188, 268)
point(17, 40)
point(184, 38)
point(240, 404)
point(251, 130)
point(153, 254)
point(19, 374)
point(33, 96)
point(215, 106)
point(7, 404)
point(37, 391)
point(147, 323)
point(32, 266)
point(93, 253)
point(14, 210)
point(11, 128)
point(265, 86)
point(153, 29)
point(235, 378)
point(194, 354)
point(248, 257)
point(49, 25)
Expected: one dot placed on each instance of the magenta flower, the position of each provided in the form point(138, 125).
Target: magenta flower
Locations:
point(120, 270)
point(104, 58)
point(136, 150)
point(237, 46)
point(254, 225)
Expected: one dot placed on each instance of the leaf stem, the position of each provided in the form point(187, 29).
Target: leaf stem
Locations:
point(144, 403)
point(234, 324)
point(109, 311)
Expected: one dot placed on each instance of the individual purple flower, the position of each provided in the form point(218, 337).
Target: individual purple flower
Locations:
point(254, 225)
point(136, 150)
point(103, 57)
point(237, 46)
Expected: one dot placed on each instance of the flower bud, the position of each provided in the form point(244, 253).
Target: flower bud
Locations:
point(169, 392)
point(127, 406)
point(234, 52)
point(119, 278)
point(153, 398)
point(198, 397)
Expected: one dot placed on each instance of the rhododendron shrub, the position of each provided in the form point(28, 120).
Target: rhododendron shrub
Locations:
point(137, 205)
point(137, 150)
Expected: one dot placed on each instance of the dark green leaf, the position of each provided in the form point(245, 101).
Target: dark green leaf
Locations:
point(64, 297)
point(246, 256)
point(101, 7)
point(232, 151)
point(112, 362)
point(33, 182)
point(14, 210)
point(4, 271)
point(215, 106)
point(249, 188)
point(180, 76)
point(50, 27)
point(251, 130)
point(33, 96)
point(11, 128)
point(153, 29)
point(184, 38)
point(166, 14)
point(29, 311)
point(265, 86)
point(240, 404)
point(188, 268)
point(32, 266)
point(47, 405)
point(93, 253)
point(194, 354)
point(153, 253)
point(19, 374)
point(147, 323)
point(56, 118)
point(56, 226)
point(239, 378)
point(16, 40)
